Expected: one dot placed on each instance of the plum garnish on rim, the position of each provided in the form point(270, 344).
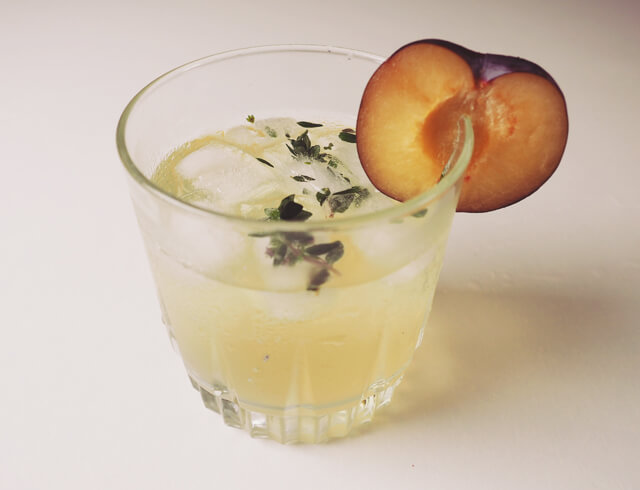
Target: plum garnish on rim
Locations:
point(411, 106)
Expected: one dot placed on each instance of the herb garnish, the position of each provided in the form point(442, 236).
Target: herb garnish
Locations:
point(301, 147)
point(348, 135)
point(251, 118)
point(318, 279)
point(322, 195)
point(289, 248)
point(288, 210)
point(421, 213)
point(262, 160)
point(332, 251)
point(306, 124)
point(339, 202)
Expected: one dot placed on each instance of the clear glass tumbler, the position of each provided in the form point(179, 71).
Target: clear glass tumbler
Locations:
point(270, 354)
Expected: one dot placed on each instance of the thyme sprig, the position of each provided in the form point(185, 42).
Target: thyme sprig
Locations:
point(301, 147)
point(290, 247)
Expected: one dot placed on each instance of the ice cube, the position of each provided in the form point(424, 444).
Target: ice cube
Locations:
point(229, 176)
point(247, 138)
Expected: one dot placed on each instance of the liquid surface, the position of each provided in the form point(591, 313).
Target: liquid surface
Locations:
point(252, 167)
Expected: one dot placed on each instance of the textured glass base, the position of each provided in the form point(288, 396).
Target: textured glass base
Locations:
point(294, 426)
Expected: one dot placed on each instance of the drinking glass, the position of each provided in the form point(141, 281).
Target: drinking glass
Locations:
point(268, 351)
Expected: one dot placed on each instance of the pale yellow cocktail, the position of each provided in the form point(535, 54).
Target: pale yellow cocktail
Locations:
point(295, 292)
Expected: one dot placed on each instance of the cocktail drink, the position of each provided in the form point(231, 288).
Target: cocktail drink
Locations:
point(294, 291)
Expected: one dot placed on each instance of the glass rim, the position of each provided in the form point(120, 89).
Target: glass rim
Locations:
point(458, 160)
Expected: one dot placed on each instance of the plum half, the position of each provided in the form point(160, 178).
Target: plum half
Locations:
point(410, 110)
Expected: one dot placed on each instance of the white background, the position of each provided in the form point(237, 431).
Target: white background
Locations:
point(529, 374)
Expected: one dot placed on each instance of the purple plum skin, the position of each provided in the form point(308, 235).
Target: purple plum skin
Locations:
point(486, 66)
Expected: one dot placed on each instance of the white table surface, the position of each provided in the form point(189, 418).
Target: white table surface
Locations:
point(529, 374)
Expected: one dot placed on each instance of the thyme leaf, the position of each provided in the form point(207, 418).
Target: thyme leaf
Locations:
point(262, 160)
point(251, 118)
point(306, 124)
point(335, 254)
point(302, 178)
point(332, 251)
point(348, 135)
point(322, 195)
point(288, 210)
point(339, 202)
point(318, 279)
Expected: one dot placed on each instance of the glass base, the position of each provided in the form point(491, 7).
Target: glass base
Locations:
point(292, 426)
